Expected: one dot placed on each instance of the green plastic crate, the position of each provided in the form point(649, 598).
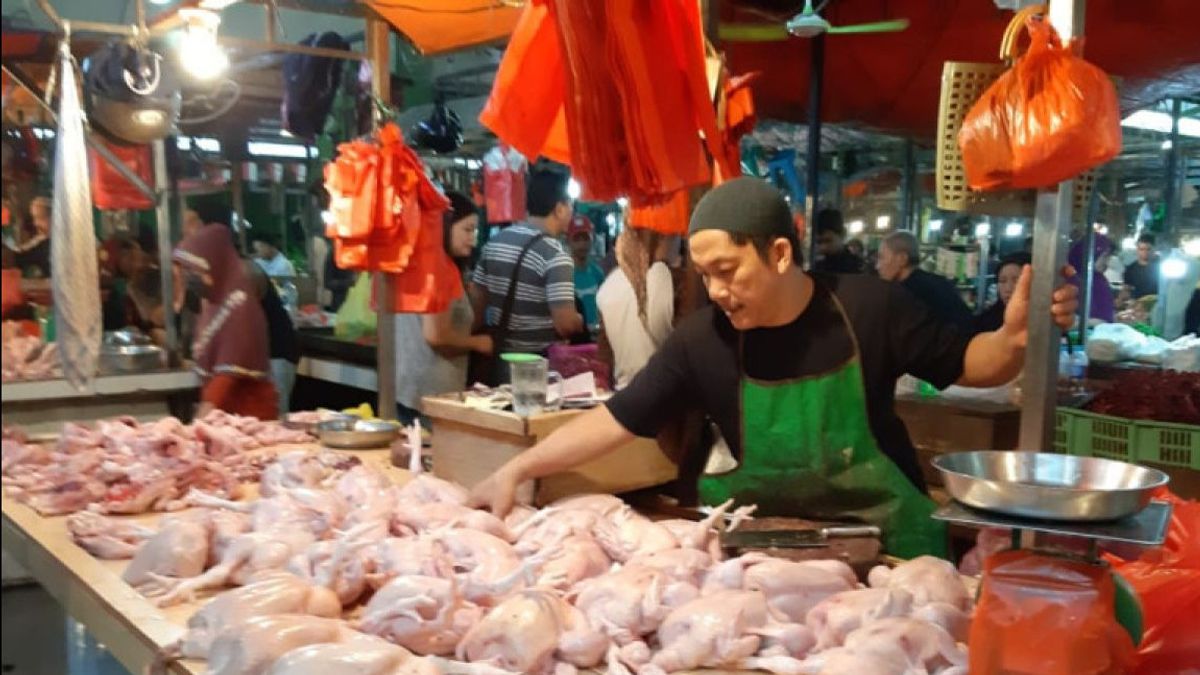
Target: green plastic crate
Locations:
point(1095, 435)
point(1064, 420)
point(1168, 444)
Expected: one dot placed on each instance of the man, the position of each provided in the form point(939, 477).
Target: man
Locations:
point(271, 259)
point(798, 371)
point(542, 306)
point(831, 245)
point(1142, 276)
point(588, 275)
point(899, 255)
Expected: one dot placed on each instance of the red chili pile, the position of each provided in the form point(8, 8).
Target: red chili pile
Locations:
point(1160, 396)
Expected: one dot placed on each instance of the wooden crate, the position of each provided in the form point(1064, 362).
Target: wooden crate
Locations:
point(471, 444)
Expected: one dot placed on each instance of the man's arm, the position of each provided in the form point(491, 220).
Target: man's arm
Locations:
point(995, 358)
point(478, 296)
point(589, 436)
point(567, 321)
point(560, 295)
point(439, 332)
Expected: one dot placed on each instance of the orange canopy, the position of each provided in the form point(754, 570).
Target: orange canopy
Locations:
point(437, 26)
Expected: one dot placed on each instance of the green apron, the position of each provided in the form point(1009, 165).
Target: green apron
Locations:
point(808, 450)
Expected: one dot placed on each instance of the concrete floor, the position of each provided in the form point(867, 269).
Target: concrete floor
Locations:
point(35, 632)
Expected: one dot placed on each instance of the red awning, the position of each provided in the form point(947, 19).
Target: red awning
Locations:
point(436, 26)
point(890, 81)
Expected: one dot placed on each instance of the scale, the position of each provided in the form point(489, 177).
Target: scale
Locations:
point(1061, 574)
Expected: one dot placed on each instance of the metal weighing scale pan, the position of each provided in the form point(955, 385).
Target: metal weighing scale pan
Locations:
point(1048, 486)
point(1147, 527)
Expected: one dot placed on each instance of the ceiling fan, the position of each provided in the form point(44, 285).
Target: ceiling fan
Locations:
point(807, 23)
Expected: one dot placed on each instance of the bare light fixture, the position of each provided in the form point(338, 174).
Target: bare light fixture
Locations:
point(199, 52)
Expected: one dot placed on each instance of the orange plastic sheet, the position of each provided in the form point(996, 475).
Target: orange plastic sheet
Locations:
point(1051, 117)
point(437, 26)
point(1047, 615)
point(1167, 583)
point(615, 88)
point(669, 217)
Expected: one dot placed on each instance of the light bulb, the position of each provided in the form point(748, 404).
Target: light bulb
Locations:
point(856, 226)
point(622, 202)
point(983, 229)
point(882, 222)
point(935, 226)
point(611, 220)
point(574, 189)
point(199, 52)
point(1128, 244)
point(1014, 229)
point(1192, 247)
point(1174, 268)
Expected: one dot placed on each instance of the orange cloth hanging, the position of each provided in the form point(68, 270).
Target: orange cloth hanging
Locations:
point(669, 217)
point(432, 281)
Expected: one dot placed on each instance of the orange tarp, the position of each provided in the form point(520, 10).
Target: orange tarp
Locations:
point(437, 26)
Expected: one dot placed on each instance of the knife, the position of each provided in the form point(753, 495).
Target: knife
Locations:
point(814, 538)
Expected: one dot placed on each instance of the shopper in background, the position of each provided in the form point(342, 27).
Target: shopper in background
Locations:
point(1007, 275)
point(527, 260)
point(588, 274)
point(120, 258)
point(271, 259)
point(1141, 276)
point(899, 258)
point(1103, 305)
point(855, 248)
point(31, 253)
point(231, 350)
point(832, 255)
point(433, 349)
point(637, 302)
point(283, 346)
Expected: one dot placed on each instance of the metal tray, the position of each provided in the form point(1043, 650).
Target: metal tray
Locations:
point(1048, 486)
point(131, 358)
point(357, 433)
point(1147, 527)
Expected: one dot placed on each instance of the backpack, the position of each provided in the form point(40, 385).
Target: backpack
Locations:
point(309, 86)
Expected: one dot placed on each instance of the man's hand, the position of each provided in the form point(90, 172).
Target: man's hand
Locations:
point(497, 493)
point(1064, 305)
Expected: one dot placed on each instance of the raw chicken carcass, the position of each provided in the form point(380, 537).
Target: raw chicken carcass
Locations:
point(251, 647)
point(921, 644)
point(714, 631)
point(337, 564)
point(843, 661)
point(839, 615)
point(177, 551)
point(625, 533)
point(107, 538)
point(631, 602)
point(411, 518)
point(489, 567)
point(302, 469)
point(572, 561)
point(688, 565)
point(274, 593)
point(927, 579)
point(406, 556)
point(247, 555)
point(424, 488)
point(425, 614)
point(358, 657)
point(794, 588)
point(531, 632)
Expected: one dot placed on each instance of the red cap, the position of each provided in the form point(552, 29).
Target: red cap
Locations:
point(580, 225)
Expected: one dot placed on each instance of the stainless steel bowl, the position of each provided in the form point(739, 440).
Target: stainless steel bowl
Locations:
point(130, 358)
point(1047, 485)
point(125, 337)
point(357, 433)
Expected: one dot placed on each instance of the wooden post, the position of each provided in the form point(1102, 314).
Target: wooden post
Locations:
point(378, 53)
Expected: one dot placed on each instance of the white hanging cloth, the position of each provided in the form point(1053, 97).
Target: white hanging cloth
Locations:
point(76, 278)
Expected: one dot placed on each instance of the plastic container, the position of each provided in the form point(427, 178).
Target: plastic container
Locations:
point(1168, 444)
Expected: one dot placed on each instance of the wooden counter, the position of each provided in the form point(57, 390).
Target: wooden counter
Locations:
point(43, 406)
point(92, 592)
point(469, 444)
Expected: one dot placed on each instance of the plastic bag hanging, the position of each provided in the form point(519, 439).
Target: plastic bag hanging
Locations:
point(1048, 119)
point(73, 239)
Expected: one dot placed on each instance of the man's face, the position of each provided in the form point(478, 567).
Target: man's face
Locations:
point(581, 245)
point(1144, 251)
point(560, 218)
point(829, 243)
point(890, 264)
point(264, 250)
point(737, 279)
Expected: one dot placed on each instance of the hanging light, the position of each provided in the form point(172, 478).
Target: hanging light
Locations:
point(935, 226)
point(856, 226)
point(983, 229)
point(1014, 229)
point(1192, 247)
point(1174, 268)
point(199, 52)
point(574, 189)
point(1128, 244)
point(882, 222)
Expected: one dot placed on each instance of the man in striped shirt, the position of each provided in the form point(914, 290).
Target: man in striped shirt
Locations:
point(543, 310)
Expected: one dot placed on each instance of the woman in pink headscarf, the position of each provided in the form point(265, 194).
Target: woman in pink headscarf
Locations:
point(230, 349)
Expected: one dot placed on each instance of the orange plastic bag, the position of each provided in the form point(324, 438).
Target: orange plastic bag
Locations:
point(1049, 616)
point(1048, 119)
point(1167, 582)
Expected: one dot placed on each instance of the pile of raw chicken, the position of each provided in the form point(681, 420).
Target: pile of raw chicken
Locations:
point(24, 357)
point(337, 569)
point(123, 466)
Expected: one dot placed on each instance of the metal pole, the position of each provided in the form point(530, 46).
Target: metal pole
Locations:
point(812, 158)
point(162, 213)
point(1171, 194)
point(236, 185)
point(982, 272)
point(908, 187)
point(385, 349)
point(1051, 227)
point(1089, 265)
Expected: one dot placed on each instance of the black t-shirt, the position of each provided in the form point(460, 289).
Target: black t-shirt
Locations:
point(697, 368)
point(280, 332)
point(940, 295)
point(1142, 279)
point(842, 262)
point(990, 320)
